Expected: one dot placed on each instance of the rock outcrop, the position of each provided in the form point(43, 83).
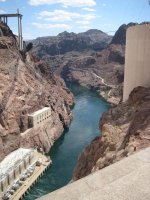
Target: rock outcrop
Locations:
point(125, 130)
point(26, 85)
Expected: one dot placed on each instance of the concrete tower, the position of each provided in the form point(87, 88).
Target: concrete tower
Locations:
point(137, 58)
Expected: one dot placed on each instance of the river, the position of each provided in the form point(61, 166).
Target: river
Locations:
point(83, 128)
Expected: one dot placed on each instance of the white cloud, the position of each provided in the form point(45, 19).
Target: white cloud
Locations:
point(89, 9)
point(83, 22)
point(51, 26)
point(84, 27)
point(65, 3)
point(39, 17)
point(59, 15)
point(56, 16)
point(89, 17)
point(2, 0)
point(2, 12)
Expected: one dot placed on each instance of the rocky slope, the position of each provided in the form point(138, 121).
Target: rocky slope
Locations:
point(96, 68)
point(26, 85)
point(125, 129)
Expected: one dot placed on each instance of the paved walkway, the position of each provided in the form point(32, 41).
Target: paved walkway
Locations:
point(128, 179)
point(103, 81)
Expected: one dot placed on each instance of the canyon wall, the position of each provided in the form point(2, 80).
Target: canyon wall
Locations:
point(26, 85)
point(125, 130)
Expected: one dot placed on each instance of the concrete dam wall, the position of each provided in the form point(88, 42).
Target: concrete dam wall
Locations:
point(137, 58)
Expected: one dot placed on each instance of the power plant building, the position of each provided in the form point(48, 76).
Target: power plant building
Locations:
point(14, 167)
point(39, 116)
point(137, 58)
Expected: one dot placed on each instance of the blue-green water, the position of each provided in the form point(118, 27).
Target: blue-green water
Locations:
point(84, 127)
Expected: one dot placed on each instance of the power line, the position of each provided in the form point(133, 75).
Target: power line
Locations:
point(110, 32)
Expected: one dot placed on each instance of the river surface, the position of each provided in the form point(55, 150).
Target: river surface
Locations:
point(83, 129)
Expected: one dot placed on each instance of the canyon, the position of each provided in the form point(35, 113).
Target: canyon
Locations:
point(125, 128)
point(102, 70)
point(99, 69)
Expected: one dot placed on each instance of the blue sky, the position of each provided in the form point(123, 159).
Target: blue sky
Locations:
point(50, 17)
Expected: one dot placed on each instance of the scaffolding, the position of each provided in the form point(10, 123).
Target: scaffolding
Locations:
point(4, 19)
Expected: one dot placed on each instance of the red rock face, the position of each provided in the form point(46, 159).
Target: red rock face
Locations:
point(125, 130)
point(26, 85)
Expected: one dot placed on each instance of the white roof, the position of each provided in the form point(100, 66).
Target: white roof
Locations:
point(12, 160)
point(40, 111)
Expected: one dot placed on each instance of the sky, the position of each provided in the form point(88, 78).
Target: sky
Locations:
point(50, 17)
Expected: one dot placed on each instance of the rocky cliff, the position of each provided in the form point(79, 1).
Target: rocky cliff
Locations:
point(26, 85)
point(125, 130)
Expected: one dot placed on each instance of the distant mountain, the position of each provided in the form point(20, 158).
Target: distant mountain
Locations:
point(65, 42)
